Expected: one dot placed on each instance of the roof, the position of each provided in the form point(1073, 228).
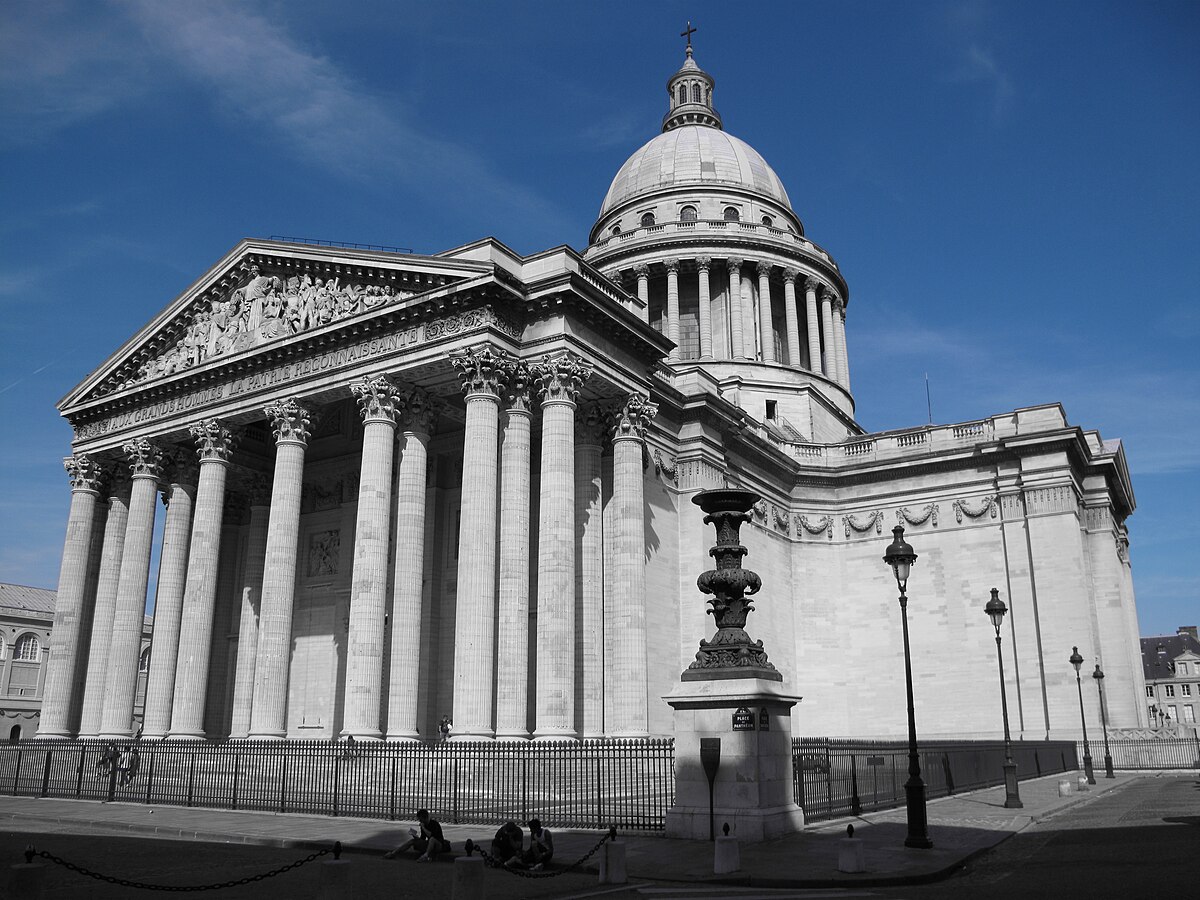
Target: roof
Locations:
point(1155, 663)
point(18, 596)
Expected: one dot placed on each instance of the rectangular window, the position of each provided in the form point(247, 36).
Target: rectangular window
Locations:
point(1170, 690)
point(1181, 668)
point(1149, 690)
point(1187, 690)
point(1189, 713)
point(1172, 713)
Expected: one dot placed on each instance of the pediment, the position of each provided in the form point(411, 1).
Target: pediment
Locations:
point(262, 293)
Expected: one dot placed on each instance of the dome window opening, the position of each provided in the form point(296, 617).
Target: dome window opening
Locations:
point(687, 214)
point(771, 410)
point(732, 215)
point(615, 230)
point(695, 93)
point(768, 221)
point(683, 93)
point(647, 219)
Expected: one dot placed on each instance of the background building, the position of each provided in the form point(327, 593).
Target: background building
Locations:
point(1171, 667)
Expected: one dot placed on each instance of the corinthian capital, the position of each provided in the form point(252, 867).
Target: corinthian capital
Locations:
point(703, 263)
point(418, 410)
point(214, 442)
point(671, 265)
point(812, 285)
point(827, 294)
point(561, 377)
point(763, 268)
point(839, 306)
point(84, 472)
point(790, 275)
point(630, 419)
point(521, 387)
point(591, 425)
point(482, 369)
point(289, 421)
point(641, 270)
point(376, 399)
point(734, 264)
point(145, 458)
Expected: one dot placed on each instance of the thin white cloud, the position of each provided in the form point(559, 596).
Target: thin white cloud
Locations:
point(980, 65)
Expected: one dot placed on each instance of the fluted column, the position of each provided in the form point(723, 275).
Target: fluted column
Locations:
point(672, 266)
point(704, 309)
point(377, 401)
point(116, 721)
point(56, 719)
point(736, 336)
point(839, 328)
point(214, 446)
point(643, 290)
point(512, 701)
point(766, 324)
point(179, 496)
point(590, 428)
point(483, 372)
point(290, 423)
point(418, 414)
point(827, 330)
point(814, 328)
point(627, 595)
point(561, 378)
point(835, 332)
point(250, 599)
point(105, 607)
point(791, 317)
point(749, 331)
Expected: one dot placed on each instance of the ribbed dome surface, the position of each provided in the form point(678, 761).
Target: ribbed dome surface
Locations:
point(690, 155)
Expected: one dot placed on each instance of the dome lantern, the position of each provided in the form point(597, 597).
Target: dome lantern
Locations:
point(689, 93)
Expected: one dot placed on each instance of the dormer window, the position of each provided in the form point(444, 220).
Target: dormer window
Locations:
point(647, 219)
point(687, 214)
point(732, 215)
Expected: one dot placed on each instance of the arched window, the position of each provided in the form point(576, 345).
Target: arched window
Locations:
point(687, 214)
point(615, 230)
point(695, 93)
point(766, 220)
point(683, 93)
point(732, 215)
point(647, 219)
point(27, 648)
point(144, 661)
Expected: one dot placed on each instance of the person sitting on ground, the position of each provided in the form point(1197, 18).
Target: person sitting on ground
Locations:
point(507, 843)
point(427, 842)
point(541, 848)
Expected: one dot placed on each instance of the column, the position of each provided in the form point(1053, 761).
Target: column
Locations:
point(418, 413)
point(561, 378)
point(673, 306)
point(703, 264)
point(214, 446)
point(827, 330)
point(116, 720)
point(627, 594)
point(377, 402)
point(290, 423)
point(218, 696)
point(766, 324)
point(736, 337)
point(814, 328)
point(483, 373)
point(512, 701)
point(113, 548)
point(179, 496)
point(791, 317)
point(839, 328)
point(643, 290)
point(590, 428)
point(749, 332)
point(250, 599)
point(64, 660)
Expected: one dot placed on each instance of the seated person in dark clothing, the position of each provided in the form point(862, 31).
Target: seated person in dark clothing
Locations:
point(507, 843)
point(427, 842)
point(541, 848)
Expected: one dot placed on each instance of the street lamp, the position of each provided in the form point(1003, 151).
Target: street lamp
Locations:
point(1077, 661)
point(996, 609)
point(1099, 676)
point(900, 557)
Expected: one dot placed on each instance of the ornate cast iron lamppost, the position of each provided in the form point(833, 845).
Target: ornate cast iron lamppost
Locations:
point(900, 557)
point(1099, 676)
point(996, 609)
point(1077, 661)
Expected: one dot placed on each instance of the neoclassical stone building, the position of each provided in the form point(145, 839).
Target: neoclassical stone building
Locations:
point(399, 487)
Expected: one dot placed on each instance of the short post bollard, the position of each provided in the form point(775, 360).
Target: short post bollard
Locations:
point(1083, 783)
point(612, 860)
point(27, 880)
point(727, 857)
point(1064, 788)
point(851, 858)
point(334, 879)
point(468, 883)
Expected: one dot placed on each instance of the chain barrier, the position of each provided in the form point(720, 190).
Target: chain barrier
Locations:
point(492, 862)
point(30, 853)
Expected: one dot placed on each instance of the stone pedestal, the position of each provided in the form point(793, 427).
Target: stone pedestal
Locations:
point(753, 788)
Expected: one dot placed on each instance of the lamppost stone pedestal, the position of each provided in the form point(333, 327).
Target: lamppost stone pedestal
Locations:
point(731, 711)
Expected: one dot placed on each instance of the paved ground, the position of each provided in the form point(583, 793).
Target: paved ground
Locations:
point(961, 828)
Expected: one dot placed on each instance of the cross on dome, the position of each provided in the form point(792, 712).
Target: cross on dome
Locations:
point(687, 33)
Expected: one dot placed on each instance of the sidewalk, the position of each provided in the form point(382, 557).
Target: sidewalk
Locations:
point(961, 827)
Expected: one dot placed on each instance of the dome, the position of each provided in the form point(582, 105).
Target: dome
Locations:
point(693, 155)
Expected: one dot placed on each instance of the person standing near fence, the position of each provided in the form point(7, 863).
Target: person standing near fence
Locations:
point(444, 728)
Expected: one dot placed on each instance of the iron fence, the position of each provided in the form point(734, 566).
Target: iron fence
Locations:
point(834, 778)
point(630, 784)
point(1148, 753)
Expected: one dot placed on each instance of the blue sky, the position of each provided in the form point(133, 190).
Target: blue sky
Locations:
point(1010, 189)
